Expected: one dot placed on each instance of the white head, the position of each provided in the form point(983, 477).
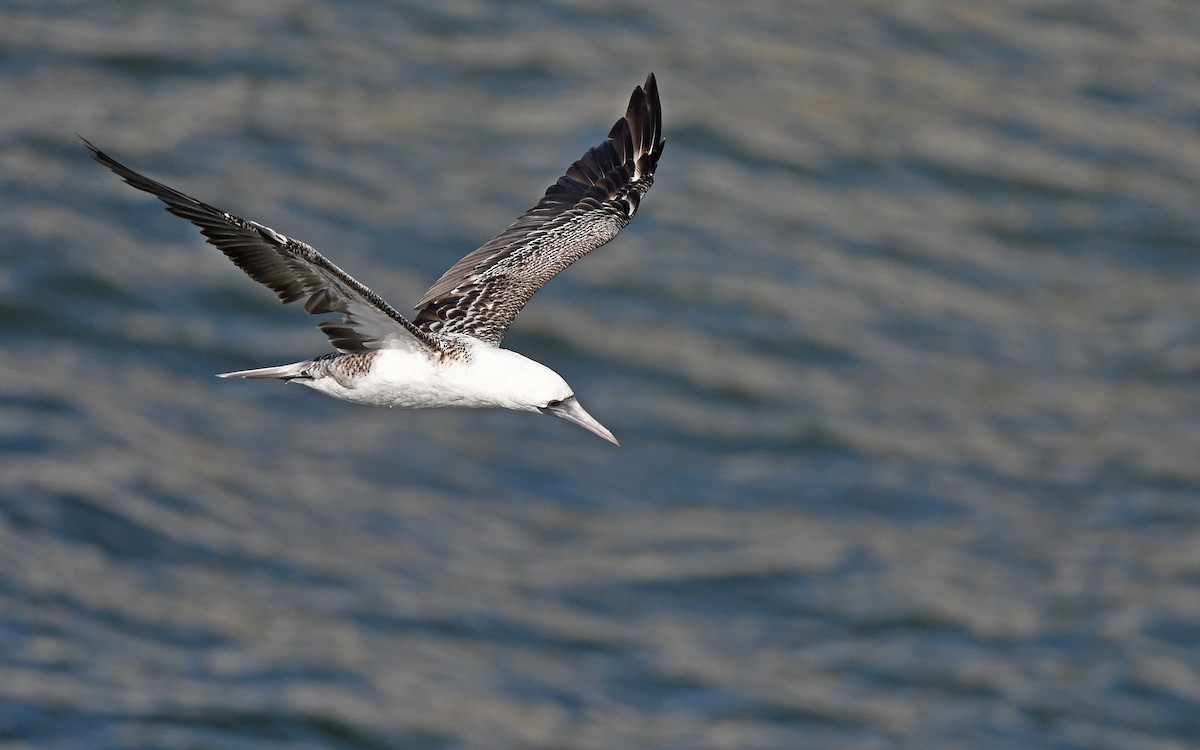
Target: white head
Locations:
point(517, 382)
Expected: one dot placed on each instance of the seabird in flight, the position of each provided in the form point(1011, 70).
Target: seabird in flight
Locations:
point(450, 353)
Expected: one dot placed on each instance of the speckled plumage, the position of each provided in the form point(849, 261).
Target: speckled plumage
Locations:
point(481, 294)
point(450, 355)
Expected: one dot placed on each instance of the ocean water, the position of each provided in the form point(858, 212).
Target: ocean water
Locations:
point(903, 350)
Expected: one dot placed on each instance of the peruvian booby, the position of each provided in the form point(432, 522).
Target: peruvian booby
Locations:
point(450, 353)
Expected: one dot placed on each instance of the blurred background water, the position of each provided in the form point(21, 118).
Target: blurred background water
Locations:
point(903, 350)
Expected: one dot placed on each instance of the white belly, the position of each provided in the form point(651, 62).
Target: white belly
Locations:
point(403, 379)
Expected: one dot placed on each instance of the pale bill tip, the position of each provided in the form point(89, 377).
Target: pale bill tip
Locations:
point(570, 410)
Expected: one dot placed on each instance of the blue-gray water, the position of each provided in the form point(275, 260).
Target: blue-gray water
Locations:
point(903, 350)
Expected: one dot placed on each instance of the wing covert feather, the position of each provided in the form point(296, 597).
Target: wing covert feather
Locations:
point(598, 195)
point(290, 268)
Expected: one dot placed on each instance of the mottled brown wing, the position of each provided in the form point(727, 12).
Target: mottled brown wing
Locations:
point(291, 269)
point(481, 294)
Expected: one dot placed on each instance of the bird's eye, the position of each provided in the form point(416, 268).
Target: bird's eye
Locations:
point(554, 404)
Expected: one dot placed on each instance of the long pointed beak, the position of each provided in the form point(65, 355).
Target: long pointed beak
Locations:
point(570, 410)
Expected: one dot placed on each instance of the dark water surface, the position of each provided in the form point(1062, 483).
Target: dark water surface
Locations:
point(903, 351)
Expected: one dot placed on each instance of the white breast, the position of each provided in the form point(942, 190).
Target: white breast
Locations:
point(488, 377)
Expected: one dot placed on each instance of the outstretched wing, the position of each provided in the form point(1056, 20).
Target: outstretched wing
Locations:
point(291, 269)
point(482, 293)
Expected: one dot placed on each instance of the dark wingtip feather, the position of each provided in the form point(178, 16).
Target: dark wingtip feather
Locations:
point(599, 193)
point(287, 267)
point(656, 112)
